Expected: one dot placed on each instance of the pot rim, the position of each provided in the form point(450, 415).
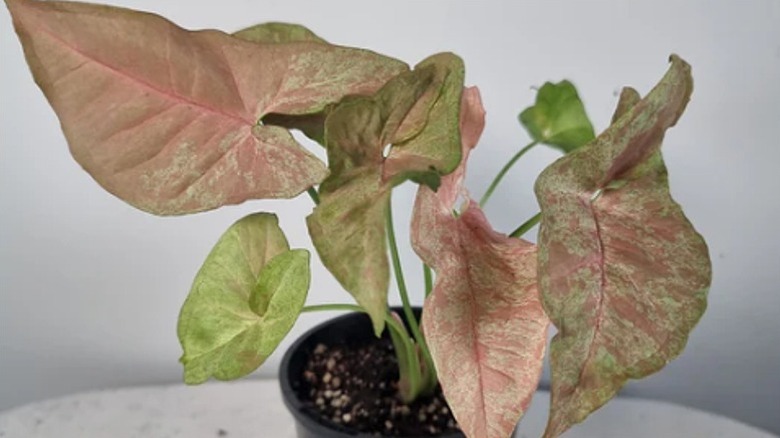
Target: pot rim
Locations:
point(289, 395)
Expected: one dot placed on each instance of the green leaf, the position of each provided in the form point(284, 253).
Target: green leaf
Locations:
point(244, 300)
point(348, 226)
point(558, 118)
point(275, 32)
point(623, 274)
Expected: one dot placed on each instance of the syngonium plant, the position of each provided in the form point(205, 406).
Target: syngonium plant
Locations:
point(177, 122)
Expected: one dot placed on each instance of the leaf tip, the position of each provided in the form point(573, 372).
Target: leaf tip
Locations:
point(379, 326)
point(676, 59)
point(191, 377)
point(14, 7)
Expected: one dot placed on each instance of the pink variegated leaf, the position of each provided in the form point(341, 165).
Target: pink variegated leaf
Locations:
point(483, 321)
point(348, 226)
point(623, 274)
point(471, 125)
point(166, 119)
point(312, 125)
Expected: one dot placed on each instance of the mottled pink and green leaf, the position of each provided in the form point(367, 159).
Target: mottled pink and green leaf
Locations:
point(483, 320)
point(427, 144)
point(622, 272)
point(166, 119)
point(348, 226)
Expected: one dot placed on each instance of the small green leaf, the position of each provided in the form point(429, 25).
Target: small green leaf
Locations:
point(244, 300)
point(558, 118)
point(275, 32)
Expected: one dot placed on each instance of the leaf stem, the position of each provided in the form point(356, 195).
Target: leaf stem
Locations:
point(313, 195)
point(503, 172)
point(395, 327)
point(332, 307)
point(391, 322)
point(399, 277)
point(428, 275)
point(527, 225)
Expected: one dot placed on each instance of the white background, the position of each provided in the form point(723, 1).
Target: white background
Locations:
point(90, 288)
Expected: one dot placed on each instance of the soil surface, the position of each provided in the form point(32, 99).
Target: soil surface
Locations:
point(355, 389)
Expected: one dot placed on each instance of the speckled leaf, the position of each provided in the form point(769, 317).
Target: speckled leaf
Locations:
point(427, 144)
point(244, 300)
point(275, 32)
point(348, 226)
point(483, 320)
point(312, 125)
point(558, 117)
point(623, 274)
point(471, 125)
point(166, 119)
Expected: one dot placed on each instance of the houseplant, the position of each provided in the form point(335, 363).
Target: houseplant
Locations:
point(176, 122)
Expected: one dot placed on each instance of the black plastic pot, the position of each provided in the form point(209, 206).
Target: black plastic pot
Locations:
point(350, 328)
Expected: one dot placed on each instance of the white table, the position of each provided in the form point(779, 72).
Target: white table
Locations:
point(253, 408)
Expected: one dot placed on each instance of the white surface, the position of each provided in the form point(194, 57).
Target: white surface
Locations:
point(255, 409)
point(90, 289)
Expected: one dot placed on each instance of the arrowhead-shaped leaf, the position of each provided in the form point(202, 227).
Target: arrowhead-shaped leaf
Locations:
point(427, 145)
point(348, 226)
point(166, 119)
point(244, 300)
point(623, 274)
point(558, 117)
point(483, 321)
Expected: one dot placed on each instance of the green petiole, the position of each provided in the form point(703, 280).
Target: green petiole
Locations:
point(313, 195)
point(406, 352)
point(402, 291)
point(527, 225)
point(503, 171)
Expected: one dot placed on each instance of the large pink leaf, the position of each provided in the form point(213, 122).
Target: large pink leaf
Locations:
point(166, 119)
point(483, 321)
point(623, 274)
